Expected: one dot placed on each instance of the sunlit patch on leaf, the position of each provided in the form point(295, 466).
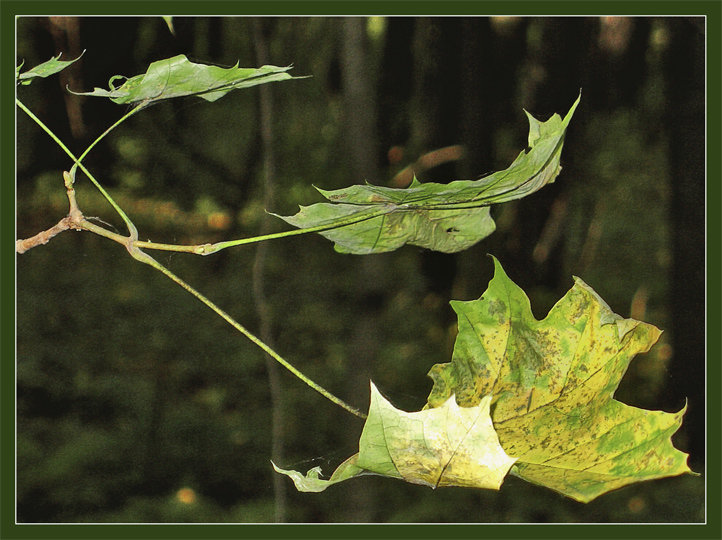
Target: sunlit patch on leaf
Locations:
point(445, 446)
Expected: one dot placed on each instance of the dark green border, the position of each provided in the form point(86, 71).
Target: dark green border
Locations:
point(369, 7)
point(714, 264)
point(712, 9)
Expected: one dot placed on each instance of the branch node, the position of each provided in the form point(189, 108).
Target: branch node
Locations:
point(204, 249)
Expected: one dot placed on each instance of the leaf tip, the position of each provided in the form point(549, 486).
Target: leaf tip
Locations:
point(498, 268)
point(375, 392)
point(326, 193)
point(573, 108)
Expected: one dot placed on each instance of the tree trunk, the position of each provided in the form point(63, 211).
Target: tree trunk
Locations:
point(360, 146)
point(261, 33)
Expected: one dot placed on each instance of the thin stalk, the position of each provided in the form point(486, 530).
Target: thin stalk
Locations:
point(101, 231)
point(208, 249)
point(147, 259)
point(111, 128)
point(77, 162)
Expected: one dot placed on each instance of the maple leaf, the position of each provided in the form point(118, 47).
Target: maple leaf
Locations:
point(178, 77)
point(444, 217)
point(553, 383)
point(445, 446)
point(46, 69)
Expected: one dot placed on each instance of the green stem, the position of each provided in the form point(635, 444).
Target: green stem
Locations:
point(318, 228)
point(143, 257)
point(102, 135)
point(77, 163)
point(208, 249)
point(147, 259)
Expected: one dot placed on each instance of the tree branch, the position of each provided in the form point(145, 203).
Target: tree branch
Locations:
point(43, 237)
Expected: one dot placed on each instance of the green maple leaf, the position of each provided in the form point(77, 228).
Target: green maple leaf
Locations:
point(553, 383)
point(445, 446)
point(443, 217)
point(46, 69)
point(179, 77)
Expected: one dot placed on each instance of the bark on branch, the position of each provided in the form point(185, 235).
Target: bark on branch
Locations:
point(43, 237)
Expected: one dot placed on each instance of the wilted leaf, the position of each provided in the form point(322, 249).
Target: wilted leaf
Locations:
point(312, 482)
point(443, 217)
point(445, 446)
point(553, 383)
point(178, 76)
point(50, 67)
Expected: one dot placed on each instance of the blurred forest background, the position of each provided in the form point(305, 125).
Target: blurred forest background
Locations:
point(137, 404)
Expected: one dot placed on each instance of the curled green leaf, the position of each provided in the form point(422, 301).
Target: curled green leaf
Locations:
point(50, 67)
point(443, 217)
point(178, 77)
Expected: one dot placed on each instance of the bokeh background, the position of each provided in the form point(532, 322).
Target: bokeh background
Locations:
point(137, 404)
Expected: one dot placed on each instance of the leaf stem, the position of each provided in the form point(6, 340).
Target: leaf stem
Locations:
point(208, 249)
point(102, 135)
point(147, 259)
point(136, 253)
